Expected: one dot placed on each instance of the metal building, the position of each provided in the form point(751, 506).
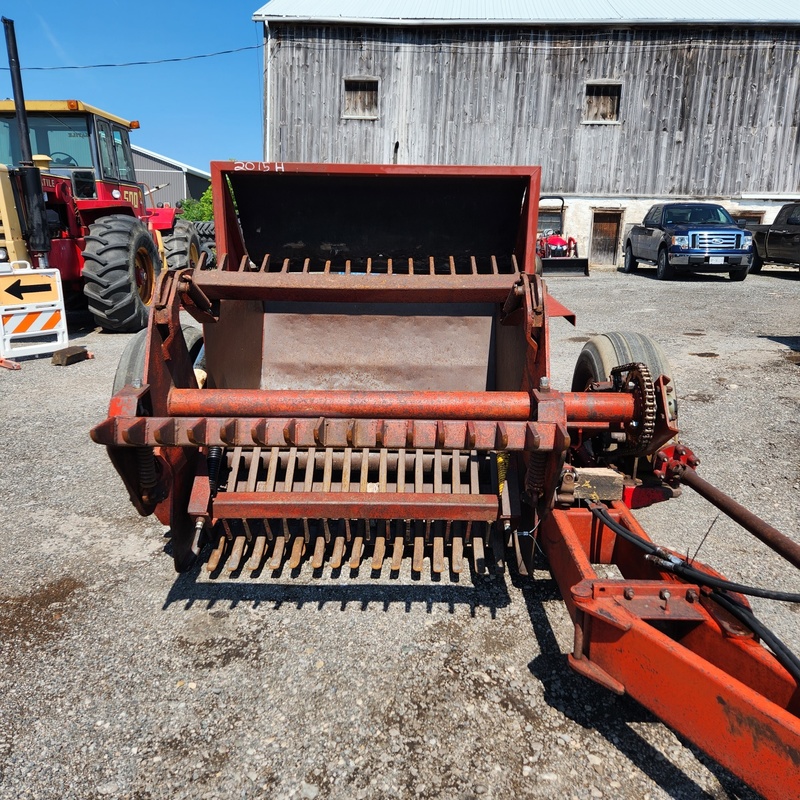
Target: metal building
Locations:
point(621, 104)
point(169, 181)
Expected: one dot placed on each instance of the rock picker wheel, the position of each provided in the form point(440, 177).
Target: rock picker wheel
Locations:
point(642, 360)
point(130, 369)
point(182, 246)
point(121, 267)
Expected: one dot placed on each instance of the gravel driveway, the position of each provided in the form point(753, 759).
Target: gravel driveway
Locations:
point(120, 679)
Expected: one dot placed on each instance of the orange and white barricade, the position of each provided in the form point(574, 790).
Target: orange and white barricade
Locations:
point(32, 316)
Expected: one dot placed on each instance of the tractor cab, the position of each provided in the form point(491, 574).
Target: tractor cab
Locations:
point(73, 140)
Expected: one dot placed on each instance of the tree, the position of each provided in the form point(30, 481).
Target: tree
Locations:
point(199, 210)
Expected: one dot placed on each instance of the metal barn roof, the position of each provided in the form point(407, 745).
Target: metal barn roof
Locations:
point(535, 12)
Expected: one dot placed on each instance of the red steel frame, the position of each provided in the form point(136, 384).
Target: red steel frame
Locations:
point(650, 634)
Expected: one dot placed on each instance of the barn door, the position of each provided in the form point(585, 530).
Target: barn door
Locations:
point(605, 237)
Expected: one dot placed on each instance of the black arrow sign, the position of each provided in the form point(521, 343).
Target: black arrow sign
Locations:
point(18, 290)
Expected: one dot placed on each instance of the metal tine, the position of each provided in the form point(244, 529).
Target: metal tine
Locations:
point(306, 262)
point(452, 265)
point(380, 547)
point(498, 547)
point(288, 483)
point(265, 263)
point(278, 548)
point(473, 264)
point(216, 555)
point(318, 558)
point(259, 546)
point(410, 266)
point(250, 485)
point(272, 469)
point(369, 265)
point(514, 263)
point(285, 267)
point(237, 551)
point(338, 546)
point(456, 554)
point(308, 485)
point(235, 460)
point(327, 267)
point(327, 480)
point(478, 558)
point(347, 267)
point(438, 554)
point(357, 548)
point(431, 266)
point(397, 550)
point(347, 465)
point(419, 549)
point(494, 265)
point(437, 471)
point(388, 266)
point(298, 549)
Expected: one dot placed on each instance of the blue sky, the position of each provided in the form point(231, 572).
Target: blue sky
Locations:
point(193, 111)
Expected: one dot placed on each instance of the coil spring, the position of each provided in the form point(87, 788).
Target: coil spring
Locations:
point(534, 478)
point(214, 462)
point(147, 468)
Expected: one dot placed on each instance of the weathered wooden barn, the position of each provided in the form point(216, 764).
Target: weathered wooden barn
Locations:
point(620, 104)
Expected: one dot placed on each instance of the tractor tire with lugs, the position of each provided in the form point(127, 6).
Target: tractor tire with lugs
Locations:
point(182, 246)
point(121, 266)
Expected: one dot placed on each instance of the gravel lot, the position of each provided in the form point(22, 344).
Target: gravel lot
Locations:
point(120, 679)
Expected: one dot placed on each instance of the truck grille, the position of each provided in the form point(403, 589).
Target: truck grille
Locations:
point(716, 241)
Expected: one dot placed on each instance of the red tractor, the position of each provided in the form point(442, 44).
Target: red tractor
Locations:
point(69, 200)
point(559, 254)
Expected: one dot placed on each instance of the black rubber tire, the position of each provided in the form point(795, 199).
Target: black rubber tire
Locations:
point(182, 245)
point(629, 263)
point(739, 274)
point(205, 230)
point(757, 263)
point(608, 350)
point(120, 271)
point(211, 254)
point(664, 271)
point(131, 364)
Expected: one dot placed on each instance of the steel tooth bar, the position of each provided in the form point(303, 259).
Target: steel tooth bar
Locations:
point(498, 548)
point(456, 554)
point(298, 549)
point(355, 505)
point(318, 558)
point(277, 553)
point(259, 545)
point(419, 554)
point(237, 551)
point(216, 554)
point(356, 551)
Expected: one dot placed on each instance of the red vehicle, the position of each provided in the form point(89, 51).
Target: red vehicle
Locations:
point(69, 200)
point(559, 254)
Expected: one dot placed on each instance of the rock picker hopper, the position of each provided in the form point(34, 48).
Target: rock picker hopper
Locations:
point(377, 386)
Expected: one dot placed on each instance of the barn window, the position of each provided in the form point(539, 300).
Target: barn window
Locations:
point(361, 98)
point(602, 102)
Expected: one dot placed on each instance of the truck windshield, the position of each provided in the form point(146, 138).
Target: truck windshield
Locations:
point(65, 138)
point(697, 215)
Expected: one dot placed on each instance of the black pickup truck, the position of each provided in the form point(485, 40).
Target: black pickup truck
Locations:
point(778, 243)
point(689, 237)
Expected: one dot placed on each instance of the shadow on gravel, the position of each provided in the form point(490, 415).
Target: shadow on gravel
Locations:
point(481, 593)
point(792, 342)
point(611, 716)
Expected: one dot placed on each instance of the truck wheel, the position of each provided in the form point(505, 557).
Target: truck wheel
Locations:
point(182, 246)
point(664, 271)
point(739, 274)
point(756, 263)
point(120, 269)
point(131, 364)
point(608, 350)
point(630, 264)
